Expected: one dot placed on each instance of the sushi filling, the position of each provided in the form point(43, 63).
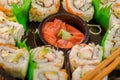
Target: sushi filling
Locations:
point(45, 3)
point(10, 2)
point(11, 56)
point(86, 53)
point(2, 17)
point(80, 4)
point(116, 9)
point(116, 40)
point(106, 1)
point(5, 33)
point(80, 72)
point(89, 53)
point(45, 55)
point(48, 75)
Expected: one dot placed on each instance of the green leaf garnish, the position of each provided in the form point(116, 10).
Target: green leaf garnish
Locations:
point(102, 15)
point(22, 44)
point(32, 66)
point(64, 34)
point(22, 12)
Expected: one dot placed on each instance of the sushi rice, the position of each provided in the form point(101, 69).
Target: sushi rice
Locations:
point(47, 55)
point(40, 9)
point(14, 60)
point(112, 40)
point(84, 54)
point(10, 32)
point(80, 72)
point(82, 8)
point(50, 72)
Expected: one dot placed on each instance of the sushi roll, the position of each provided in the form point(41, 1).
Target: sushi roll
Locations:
point(49, 73)
point(82, 8)
point(6, 6)
point(104, 2)
point(80, 72)
point(10, 32)
point(109, 11)
point(2, 17)
point(84, 54)
point(47, 55)
point(115, 14)
point(40, 9)
point(111, 40)
point(14, 60)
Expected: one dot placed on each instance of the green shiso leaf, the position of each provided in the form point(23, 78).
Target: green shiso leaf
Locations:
point(102, 15)
point(104, 39)
point(22, 44)
point(22, 12)
point(64, 34)
point(32, 66)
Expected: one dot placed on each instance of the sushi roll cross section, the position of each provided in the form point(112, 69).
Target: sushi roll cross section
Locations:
point(50, 73)
point(10, 32)
point(83, 54)
point(112, 40)
point(40, 9)
point(82, 8)
point(6, 6)
point(14, 60)
point(48, 56)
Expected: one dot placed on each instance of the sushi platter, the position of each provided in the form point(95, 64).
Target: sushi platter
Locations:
point(59, 39)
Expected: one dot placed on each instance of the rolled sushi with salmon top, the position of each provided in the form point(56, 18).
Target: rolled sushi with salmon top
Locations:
point(84, 54)
point(40, 9)
point(82, 8)
point(10, 32)
point(14, 60)
point(50, 72)
point(48, 56)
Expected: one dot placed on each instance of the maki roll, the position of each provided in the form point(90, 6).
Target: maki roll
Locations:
point(82, 8)
point(109, 11)
point(47, 55)
point(111, 40)
point(14, 60)
point(10, 32)
point(16, 10)
point(40, 9)
point(2, 17)
point(115, 14)
point(84, 54)
point(6, 6)
point(106, 2)
point(50, 73)
point(80, 72)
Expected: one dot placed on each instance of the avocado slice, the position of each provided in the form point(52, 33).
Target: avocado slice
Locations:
point(64, 34)
point(43, 52)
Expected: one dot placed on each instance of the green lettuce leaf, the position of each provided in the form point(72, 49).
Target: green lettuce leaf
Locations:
point(22, 12)
point(22, 44)
point(32, 66)
point(102, 14)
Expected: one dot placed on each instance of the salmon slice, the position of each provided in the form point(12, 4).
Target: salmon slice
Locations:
point(64, 44)
point(50, 38)
point(50, 33)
